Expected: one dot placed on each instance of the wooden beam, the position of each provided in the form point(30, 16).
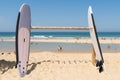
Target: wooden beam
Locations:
point(58, 28)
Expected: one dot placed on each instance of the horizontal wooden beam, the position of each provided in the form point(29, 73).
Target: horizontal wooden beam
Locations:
point(58, 28)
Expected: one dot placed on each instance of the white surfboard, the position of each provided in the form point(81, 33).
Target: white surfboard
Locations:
point(23, 39)
point(95, 41)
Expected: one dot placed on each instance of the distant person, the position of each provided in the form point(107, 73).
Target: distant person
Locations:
point(59, 48)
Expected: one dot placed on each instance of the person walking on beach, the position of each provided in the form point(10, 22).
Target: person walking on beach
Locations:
point(59, 48)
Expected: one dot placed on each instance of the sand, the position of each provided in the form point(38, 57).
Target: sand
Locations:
point(60, 66)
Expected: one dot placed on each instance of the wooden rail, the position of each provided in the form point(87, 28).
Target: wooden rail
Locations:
point(58, 28)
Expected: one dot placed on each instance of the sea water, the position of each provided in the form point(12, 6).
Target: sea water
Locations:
point(9, 46)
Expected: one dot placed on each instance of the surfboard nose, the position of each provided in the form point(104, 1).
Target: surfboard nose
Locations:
point(25, 16)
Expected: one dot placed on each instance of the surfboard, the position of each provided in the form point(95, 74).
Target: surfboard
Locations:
point(94, 37)
point(23, 39)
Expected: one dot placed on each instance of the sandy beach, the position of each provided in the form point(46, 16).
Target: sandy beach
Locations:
point(60, 66)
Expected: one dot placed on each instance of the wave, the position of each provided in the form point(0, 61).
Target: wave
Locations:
point(12, 37)
point(50, 36)
point(39, 37)
point(42, 36)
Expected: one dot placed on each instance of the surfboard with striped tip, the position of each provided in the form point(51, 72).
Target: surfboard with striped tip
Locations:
point(23, 39)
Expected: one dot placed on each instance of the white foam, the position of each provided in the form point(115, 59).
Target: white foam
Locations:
point(40, 37)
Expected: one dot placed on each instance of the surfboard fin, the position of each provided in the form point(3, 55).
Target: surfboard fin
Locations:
point(99, 64)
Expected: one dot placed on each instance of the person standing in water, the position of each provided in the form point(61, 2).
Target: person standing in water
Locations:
point(59, 48)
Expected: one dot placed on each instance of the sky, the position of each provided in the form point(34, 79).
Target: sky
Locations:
point(62, 13)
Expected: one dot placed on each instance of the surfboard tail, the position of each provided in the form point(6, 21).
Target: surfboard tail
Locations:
point(95, 41)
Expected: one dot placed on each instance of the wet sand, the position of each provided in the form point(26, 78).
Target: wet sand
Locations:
point(69, 40)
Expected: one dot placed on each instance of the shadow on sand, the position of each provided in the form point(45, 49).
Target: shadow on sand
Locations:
point(6, 65)
point(33, 66)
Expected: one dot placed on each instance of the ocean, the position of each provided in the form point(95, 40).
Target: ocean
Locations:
point(63, 34)
point(9, 46)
